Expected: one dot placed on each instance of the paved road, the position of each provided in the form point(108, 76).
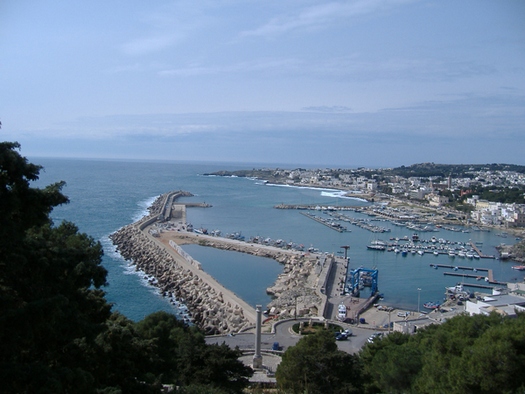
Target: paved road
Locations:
point(286, 338)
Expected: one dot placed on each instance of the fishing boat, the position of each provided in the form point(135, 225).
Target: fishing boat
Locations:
point(457, 289)
point(431, 305)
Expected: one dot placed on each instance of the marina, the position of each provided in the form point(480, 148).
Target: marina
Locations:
point(425, 238)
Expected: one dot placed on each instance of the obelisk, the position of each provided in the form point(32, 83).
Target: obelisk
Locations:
point(257, 357)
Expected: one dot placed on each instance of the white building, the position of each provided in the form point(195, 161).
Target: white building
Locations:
point(504, 304)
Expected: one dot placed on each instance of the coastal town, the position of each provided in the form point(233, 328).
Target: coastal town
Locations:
point(427, 188)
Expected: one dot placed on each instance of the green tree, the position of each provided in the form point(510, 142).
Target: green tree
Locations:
point(122, 360)
point(466, 354)
point(51, 304)
point(185, 360)
point(390, 364)
point(443, 347)
point(315, 365)
point(494, 362)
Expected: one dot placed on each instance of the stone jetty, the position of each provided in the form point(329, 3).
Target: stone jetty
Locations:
point(208, 308)
point(155, 251)
point(296, 292)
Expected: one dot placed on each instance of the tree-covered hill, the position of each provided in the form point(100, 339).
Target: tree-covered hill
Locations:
point(425, 170)
point(420, 170)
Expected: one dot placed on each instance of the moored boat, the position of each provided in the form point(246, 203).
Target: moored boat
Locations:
point(376, 247)
point(431, 305)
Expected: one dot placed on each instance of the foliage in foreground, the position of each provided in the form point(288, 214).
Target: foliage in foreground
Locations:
point(57, 332)
point(478, 354)
point(315, 365)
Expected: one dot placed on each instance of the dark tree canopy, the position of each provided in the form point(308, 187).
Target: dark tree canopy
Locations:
point(50, 279)
point(466, 354)
point(315, 365)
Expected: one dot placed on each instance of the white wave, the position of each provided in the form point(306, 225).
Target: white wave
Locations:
point(336, 194)
point(325, 192)
point(302, 187)
point(341, 194)
point(148, 281)
point(143, 206)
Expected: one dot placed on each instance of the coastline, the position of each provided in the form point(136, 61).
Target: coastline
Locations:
point(212, 307)
point(152, 246)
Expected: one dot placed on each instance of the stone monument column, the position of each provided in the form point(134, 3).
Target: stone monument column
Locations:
point(257, 358)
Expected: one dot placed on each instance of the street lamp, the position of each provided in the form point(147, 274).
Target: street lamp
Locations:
point(418, 299)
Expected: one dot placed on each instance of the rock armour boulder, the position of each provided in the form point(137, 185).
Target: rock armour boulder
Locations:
point(209, 312)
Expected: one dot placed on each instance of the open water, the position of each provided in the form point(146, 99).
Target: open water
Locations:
point(106, 195)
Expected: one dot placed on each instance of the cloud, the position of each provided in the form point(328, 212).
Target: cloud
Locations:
point(351, 67)
point(468, 128)
point(165, 26)
point(473, 116)
point(320, 15)
point(259, 65)
point(327, 109)
point(147, 45)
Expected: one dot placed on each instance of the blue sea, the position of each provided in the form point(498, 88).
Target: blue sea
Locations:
point(106, 195)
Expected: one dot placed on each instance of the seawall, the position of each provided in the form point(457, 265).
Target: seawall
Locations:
point(213, 308)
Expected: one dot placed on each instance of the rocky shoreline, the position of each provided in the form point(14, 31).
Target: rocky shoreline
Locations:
point(207, 308)
point(211, 309)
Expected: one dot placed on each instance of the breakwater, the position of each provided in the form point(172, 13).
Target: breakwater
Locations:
point(209, 309)
point(296, 291)
point(210, 306)
point(213, 308)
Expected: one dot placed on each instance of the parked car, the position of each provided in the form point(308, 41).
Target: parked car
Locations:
point(341, 337)
point(373, 337)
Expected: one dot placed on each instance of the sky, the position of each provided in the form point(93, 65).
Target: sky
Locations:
point(378, 83)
